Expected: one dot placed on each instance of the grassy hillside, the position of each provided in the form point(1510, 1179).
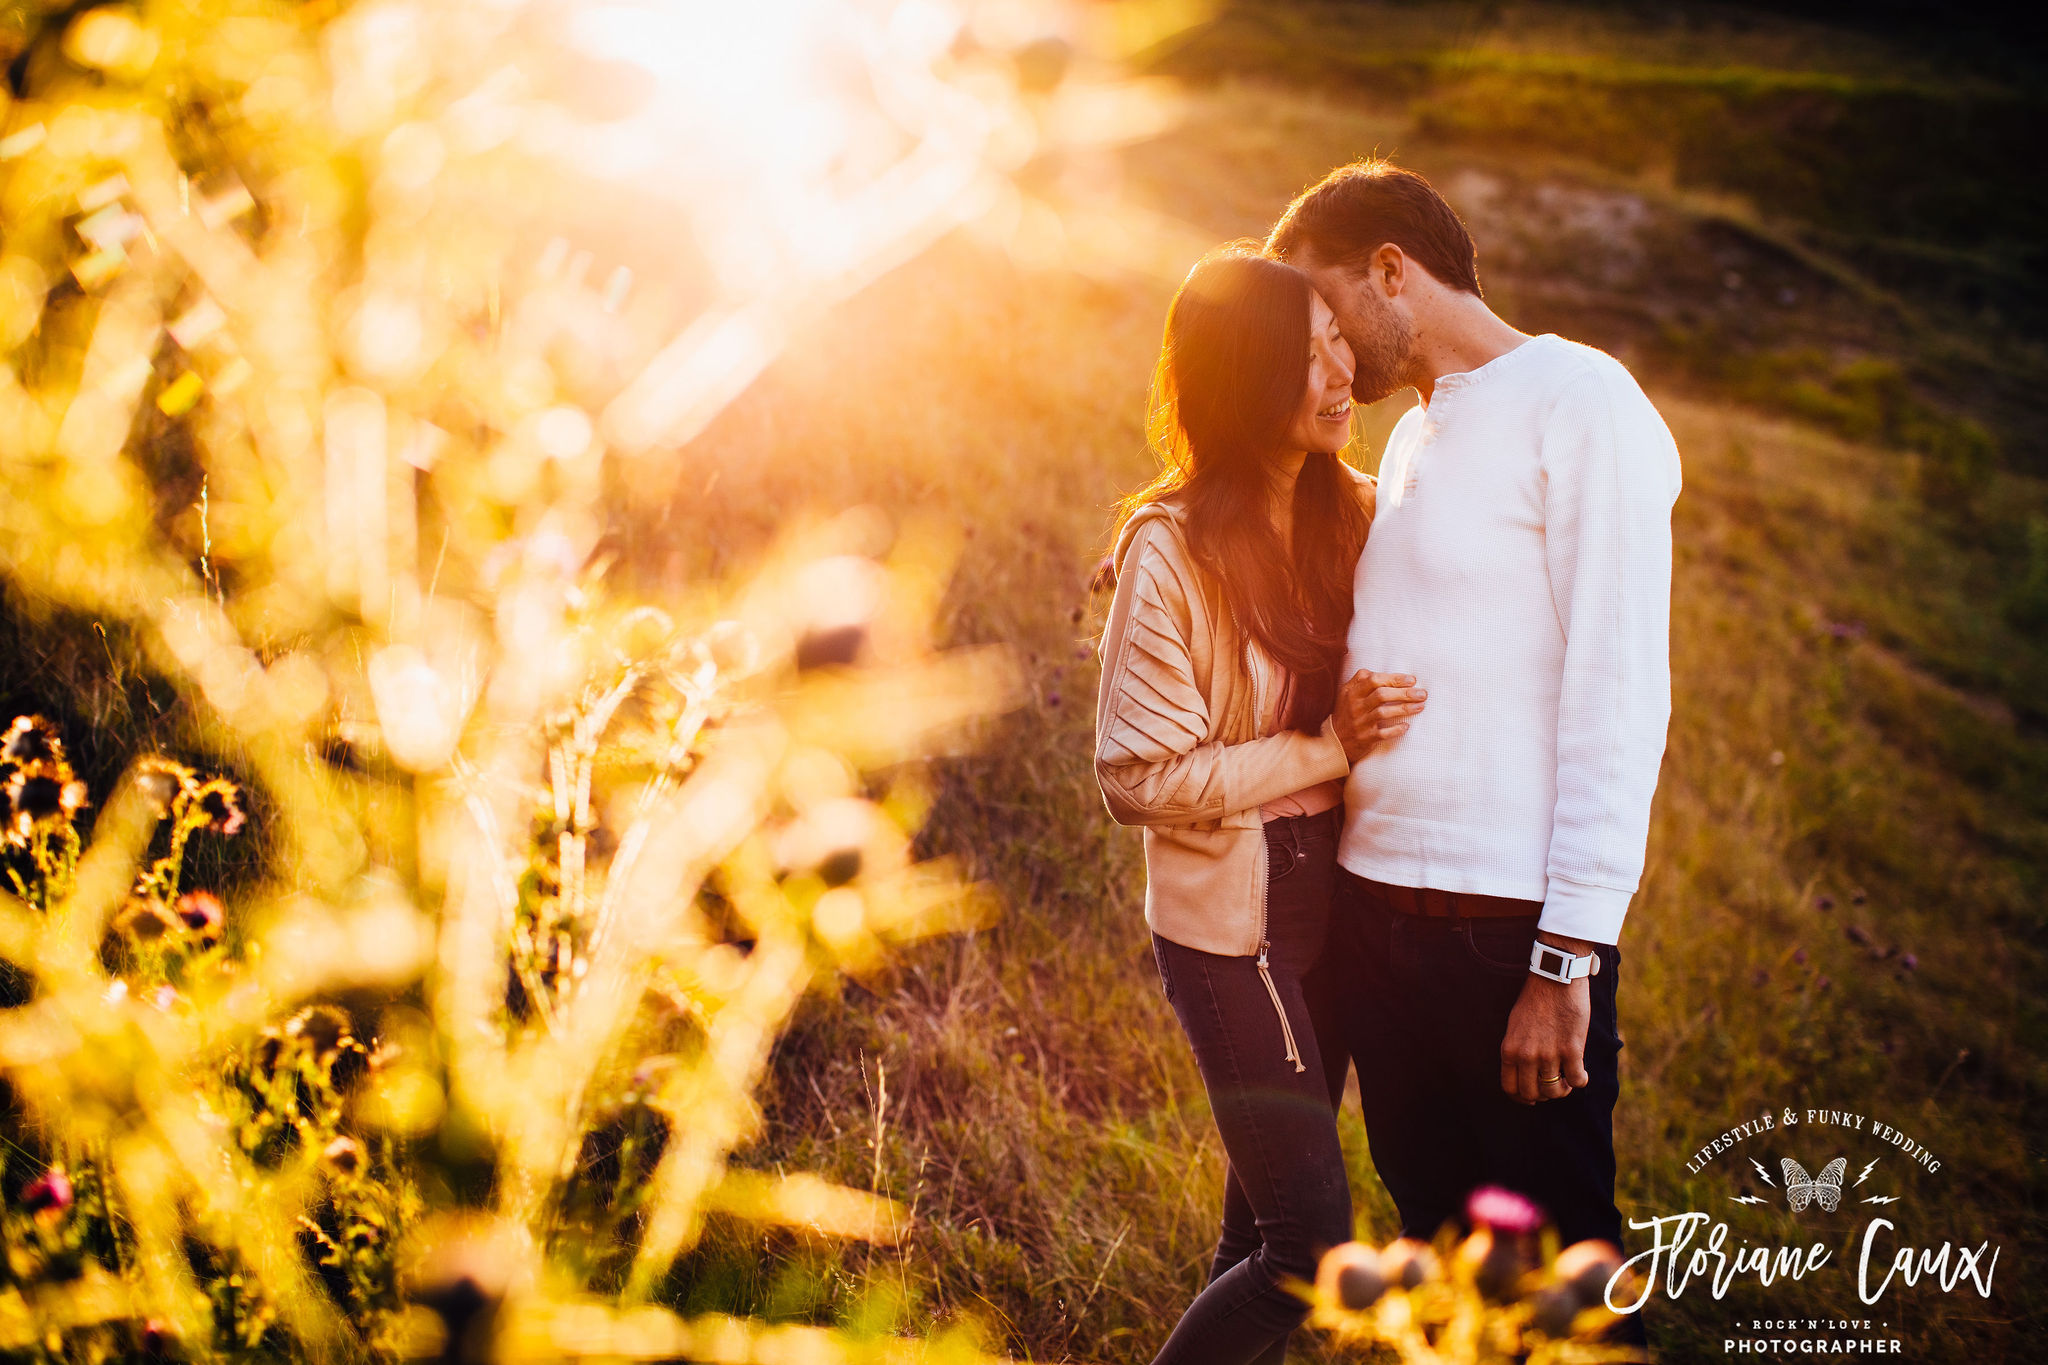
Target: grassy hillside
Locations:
point(1845, 189)
point(1854, 776)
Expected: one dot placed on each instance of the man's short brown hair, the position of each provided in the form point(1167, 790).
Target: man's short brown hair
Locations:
point(1356, 209)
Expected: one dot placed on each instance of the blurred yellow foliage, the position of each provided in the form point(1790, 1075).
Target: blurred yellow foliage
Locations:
point(328, 329)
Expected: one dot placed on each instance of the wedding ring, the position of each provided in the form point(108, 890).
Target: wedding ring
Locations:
point(1548, 1080)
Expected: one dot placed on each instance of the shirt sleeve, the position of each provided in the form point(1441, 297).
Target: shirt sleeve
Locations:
point(1154, 759)
point(1611, 475)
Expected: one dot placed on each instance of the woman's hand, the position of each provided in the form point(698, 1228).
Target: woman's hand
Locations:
point(1373, 708)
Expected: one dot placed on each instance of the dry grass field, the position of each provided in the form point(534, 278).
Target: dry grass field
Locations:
point(1846, 903)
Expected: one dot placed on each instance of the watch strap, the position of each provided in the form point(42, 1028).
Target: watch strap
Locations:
point(1553, 963)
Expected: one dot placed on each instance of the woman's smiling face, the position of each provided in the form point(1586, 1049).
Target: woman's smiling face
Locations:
point(1323, 422)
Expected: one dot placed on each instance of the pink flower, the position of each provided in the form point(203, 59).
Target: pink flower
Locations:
point(48, 1192)
point(220, 801)
point(1503, 1210)
point(202, 912)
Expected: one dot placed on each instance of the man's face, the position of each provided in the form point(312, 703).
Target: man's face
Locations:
point(1379, 333)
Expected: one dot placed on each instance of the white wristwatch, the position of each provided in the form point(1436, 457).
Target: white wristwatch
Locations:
point(1553, 963)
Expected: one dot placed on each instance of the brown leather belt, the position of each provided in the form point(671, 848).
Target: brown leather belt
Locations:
point(1435, 904)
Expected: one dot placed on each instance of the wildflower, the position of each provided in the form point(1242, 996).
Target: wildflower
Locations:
point(31, 739)
point(220, 801)
point(1407, 1262)
point(1910, 962)
point(1350, 1276)
point(1495, 1262)
point(162, 782)
point(159, 1339)
point(145, 920)
point(1799, 956)
point(202, 912)
point(824, 646)
point(345, 1157)
point(1503, 1210)
point(1582, 1273)
point(1587, 1268)
point(463, 1281)
point(840, 598)
point(324, 1027)
point(38, 796)
point(42, 793)
point(49, 1192)
point(165, 998)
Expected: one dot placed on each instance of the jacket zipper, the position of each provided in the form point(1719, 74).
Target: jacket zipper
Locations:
point(1264, 868)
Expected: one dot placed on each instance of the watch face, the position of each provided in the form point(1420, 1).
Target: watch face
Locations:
point(1552, 960)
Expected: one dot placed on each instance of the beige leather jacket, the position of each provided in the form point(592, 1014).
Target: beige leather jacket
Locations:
point(1185, 697)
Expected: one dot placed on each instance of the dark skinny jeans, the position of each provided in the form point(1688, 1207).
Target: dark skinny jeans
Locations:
point(1286, 1199)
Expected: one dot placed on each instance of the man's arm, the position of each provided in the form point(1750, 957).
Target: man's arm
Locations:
point(1610, 473)
point(1610, 477)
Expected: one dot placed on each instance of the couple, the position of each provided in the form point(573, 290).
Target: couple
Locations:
point(1393, 746)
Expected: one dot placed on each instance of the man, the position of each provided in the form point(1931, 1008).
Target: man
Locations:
point(1515, 590)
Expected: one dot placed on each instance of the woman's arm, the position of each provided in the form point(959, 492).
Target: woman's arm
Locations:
point(1153, 759)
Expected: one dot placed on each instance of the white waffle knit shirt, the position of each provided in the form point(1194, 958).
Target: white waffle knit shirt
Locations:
point(1520, 567)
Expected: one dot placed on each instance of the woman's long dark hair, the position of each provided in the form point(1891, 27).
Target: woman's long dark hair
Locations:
point(1232, 371)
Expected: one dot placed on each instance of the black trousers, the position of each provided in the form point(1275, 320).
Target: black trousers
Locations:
point(1422, 1004)
point(1286, 1198)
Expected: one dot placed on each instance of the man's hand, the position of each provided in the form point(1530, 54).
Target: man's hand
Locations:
point(1543, 1056)
point(1373, 708)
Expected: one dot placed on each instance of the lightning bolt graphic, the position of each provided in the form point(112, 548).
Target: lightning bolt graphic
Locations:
point(1752, 1199)
point(1867, 1170)
point(1882, 1199)
point(1764, 1173)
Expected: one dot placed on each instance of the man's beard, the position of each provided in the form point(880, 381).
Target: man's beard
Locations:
point(1381, 341)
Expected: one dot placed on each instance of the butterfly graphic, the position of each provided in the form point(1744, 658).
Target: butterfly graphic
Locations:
point(1824, 1189)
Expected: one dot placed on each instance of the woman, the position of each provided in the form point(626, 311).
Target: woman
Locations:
point(1214, 732)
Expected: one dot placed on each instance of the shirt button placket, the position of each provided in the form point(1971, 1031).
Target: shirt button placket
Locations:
point(1430, 427)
